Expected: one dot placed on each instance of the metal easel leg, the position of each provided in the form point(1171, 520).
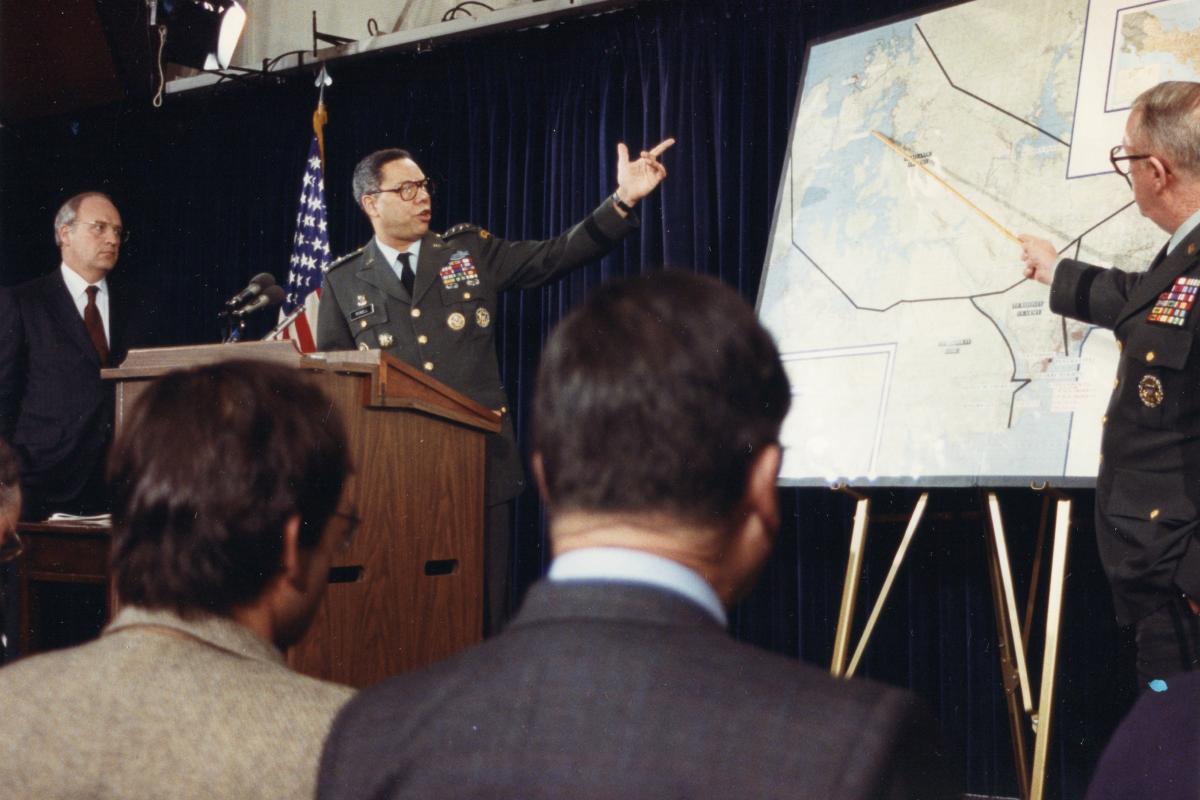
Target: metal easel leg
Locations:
point(858, 538)
point(897, 560)
point(1008, 668)
point(1058, 575)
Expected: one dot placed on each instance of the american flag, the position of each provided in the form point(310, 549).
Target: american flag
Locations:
point(310, 256)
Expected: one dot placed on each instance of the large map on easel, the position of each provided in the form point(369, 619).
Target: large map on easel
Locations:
point(916, 351)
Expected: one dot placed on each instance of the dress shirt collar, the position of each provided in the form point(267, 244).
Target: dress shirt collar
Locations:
point(622, 565)
point(77, 286)
point(215, 631)
point(1183, 230)
point(391, 255)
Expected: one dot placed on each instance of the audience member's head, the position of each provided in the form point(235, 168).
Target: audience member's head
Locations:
point(661, 398)
point(224, 479)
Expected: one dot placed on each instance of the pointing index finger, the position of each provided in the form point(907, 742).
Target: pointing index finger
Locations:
point(661, 147)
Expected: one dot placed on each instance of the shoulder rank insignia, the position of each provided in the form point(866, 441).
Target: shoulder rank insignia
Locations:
point(465, 227)
point(337, 262)
point(1173, 305)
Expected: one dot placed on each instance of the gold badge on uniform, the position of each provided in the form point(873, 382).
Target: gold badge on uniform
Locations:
point(386, 339)
point(1150, 391)
point(363, 346)
point(456, 321)
point(482, 317)
point(361, 300)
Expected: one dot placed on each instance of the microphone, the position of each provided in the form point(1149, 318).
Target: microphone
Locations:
point(257, 284)
point(271, 296)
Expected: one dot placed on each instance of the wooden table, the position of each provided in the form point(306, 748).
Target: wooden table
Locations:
point(65, 595)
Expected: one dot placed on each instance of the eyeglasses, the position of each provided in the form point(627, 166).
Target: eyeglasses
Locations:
point(353, 520)
point(11, 545)
point(408, 190)
point(100, 229)
point(1114, 159)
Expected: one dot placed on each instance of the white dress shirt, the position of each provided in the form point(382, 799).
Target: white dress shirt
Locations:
point(77, 288)
point(393, 256)
point(622, 565)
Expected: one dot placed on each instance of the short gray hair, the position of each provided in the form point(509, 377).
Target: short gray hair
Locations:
point(369, 171)
point(68, 210)
point(1169, 119)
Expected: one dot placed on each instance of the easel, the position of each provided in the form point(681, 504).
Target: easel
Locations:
point(1013, 632)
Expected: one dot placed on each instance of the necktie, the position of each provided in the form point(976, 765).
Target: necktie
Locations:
point(407, 276)
point(95, 327)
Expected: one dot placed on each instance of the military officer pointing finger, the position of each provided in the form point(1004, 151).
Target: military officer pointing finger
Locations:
point(1148, 488)
point(430, 300)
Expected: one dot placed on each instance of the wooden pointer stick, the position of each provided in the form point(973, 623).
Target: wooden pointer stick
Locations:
point(948, 187)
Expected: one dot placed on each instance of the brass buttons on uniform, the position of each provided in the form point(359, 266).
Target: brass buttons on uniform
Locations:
point(1150, 391)
point(466, 295)
point(1154, 514)
point(362, 323)
point(422, 339)
point(416, 312)
point(428, 366)
point(1149, 356)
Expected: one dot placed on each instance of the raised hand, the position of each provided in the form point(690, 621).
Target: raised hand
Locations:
point(636, 179)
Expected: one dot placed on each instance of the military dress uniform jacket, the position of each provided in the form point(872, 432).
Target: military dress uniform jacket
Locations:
point(447, 326)
point(1148, 489)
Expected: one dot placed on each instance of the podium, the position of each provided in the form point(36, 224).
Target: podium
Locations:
point(410, 589)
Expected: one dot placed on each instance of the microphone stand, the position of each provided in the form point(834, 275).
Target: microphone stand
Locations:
point(283, 323)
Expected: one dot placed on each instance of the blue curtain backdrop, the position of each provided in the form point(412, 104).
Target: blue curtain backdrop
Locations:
point(521, 129)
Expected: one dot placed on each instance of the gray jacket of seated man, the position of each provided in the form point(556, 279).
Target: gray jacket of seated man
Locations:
point(446, 327)
point(204, 707)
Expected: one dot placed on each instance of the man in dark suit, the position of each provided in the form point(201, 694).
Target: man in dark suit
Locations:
point(56, 333)
point(1148, 489)
point(430, 299)
point(658, 409)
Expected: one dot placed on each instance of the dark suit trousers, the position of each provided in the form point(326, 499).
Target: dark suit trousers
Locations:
point(1168, 643)
point(497, 567)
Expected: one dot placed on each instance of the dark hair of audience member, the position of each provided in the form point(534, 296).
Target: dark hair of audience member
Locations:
point(10, 477)
point(655, 395)
point(211, 464)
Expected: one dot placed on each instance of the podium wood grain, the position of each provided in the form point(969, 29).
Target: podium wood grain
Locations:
point(408, 592)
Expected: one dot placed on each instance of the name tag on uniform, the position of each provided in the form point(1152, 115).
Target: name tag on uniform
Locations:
point(365, 311)
point(1173, 306)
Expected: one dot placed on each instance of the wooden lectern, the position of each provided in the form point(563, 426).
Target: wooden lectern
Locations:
point(410, 589)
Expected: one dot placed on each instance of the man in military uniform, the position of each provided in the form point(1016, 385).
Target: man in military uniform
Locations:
point(1148, 489)
point(430, 300)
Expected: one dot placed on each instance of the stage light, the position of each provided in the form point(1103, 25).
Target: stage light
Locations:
point(201, 33)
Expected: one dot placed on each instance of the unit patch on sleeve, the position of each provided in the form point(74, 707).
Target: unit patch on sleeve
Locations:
point(459, 271)
point(1173, 305)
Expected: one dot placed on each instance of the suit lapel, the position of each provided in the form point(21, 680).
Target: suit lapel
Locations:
point(376, 271)
point(1162, 274)
point(116, 326)
point(67, 318)
point(429, 264)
